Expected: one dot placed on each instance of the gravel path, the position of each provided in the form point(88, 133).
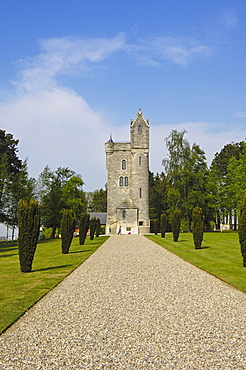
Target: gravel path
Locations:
point(131, 305)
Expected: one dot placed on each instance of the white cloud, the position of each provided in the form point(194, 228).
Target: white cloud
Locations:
point(58, 128)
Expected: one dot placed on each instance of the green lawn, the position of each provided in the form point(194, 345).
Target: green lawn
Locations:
point(19, 291)
point(220, 254)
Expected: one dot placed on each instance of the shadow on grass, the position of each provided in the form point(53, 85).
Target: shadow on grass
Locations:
point(85, 250)
point(8, 249)
point(51, 268)
point(9, 255)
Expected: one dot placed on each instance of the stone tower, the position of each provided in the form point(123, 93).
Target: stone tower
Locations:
point(128, 181)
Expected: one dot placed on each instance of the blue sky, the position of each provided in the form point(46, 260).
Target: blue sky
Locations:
point(74, 71)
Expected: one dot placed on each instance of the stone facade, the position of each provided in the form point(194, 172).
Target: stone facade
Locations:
point(128, 181)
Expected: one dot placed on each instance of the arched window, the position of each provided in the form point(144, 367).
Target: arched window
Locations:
point(126, 181)
point(121, 181)
point(124, 214)
point(123, 164)
point(140, 193)
point(140, 161)
point(139, 129)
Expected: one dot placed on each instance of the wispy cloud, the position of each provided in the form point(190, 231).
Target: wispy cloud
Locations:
point(64, 56)
point(180, 50)
point(228, 18)
point(67, 55)
point(240, 114)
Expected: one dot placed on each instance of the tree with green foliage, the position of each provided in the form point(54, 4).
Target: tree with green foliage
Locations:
point(29, 225)
point(58, 190)
point(21, 187)
point(83, 227)
point(67, 229)
point(157, 195)
point(176, 221)
point(97, 201)
point(186, 172)
point(242, 230)
point(197, 227)
point(226, 175)
point(163, 224)
point(10, 166)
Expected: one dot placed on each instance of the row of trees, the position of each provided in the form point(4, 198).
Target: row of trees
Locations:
point(187, 182)
point(29, 225)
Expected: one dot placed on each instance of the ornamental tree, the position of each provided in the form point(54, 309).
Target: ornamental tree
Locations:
point(67, 229)
point(176, 221)
point(242, 230)
point(29, 224)
point(93, 222)
point(197, 229)
point(163, 224)
point(98, 227)
point(83, 227)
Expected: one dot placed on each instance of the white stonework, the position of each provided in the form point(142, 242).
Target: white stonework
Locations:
point(128, 181)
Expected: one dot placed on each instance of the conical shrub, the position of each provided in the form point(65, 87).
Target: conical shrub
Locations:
point(176, 220)
point(197, 227)
point(67, 229)
point(29, 225)
point(163, 224)
point(98, 227)
point(93, 222)
point(242, 230)
point(83, 227)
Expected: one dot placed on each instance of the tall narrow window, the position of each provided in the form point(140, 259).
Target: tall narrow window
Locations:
point(124, 214)
point(123, 164)
point(121, 181)
point(126, 181)
point(140, 193)
point(139, 129)
point(140, 161)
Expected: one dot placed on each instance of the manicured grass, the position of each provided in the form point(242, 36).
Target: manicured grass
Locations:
point(19, 291)
point(220, 254)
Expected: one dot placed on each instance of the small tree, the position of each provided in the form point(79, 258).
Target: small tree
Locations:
point(98, 227)
point(83, 227)
point(67, 229)
point(242, 230)
point(176, 220)
point(29, 224)
point(163, 224)
point(92, 227)
point(197, 227)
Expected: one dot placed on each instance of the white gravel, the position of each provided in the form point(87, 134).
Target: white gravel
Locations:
point(131, 305)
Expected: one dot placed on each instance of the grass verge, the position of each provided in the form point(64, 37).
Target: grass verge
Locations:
point(19, 291)
point(220, 254)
